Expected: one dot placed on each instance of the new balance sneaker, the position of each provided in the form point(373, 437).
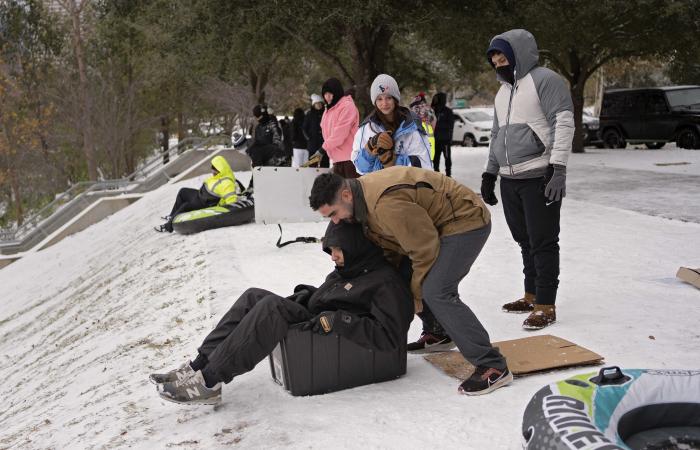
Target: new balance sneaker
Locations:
point(428, 343)
point(542, 316)
point(523, 305)
point(485, 380)
point(181, 373)
point(191, 391)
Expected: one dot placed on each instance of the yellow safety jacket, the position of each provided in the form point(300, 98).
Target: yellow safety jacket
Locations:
point(223, 184)
point(431, 137)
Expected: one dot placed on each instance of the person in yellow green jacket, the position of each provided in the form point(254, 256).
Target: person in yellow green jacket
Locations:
point(217, 190)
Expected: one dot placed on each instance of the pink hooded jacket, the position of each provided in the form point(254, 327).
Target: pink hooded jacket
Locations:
point(338, 126)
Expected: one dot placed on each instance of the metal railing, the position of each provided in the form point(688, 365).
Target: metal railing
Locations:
point(151, 167)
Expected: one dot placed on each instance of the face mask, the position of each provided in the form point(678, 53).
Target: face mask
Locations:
point(506, 72)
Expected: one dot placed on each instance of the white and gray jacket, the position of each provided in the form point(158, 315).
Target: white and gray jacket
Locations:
point(533, 123)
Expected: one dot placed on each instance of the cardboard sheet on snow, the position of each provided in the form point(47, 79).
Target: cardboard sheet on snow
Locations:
point(689, 275)
point(526, 355)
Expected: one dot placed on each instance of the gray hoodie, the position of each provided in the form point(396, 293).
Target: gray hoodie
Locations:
point(533, 124)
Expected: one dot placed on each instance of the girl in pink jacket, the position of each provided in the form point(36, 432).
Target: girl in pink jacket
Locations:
point(338, 125)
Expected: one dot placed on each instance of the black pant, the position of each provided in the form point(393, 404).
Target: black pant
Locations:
point(248, 332)
point(188, 199)
point(535, 227)
point(443, 147)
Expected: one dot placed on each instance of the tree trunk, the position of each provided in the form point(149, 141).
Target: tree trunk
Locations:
point(370, 46)
point(577, 81)
point(16, 195)
point(165, 138)
point(576, 90)
point(83, 88)
point(258, 81)
point(181, 126)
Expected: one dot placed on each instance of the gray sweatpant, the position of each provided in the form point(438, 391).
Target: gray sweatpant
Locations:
point(457, 254)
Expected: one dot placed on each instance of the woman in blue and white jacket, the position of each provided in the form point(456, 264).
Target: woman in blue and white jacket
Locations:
point(391, 135)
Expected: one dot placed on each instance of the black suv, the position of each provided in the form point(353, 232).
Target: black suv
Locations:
point(651, 116)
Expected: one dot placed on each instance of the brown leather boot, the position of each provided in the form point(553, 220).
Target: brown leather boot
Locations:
point(523, 305)
point(540, 317)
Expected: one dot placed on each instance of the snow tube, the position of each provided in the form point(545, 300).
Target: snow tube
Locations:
point(243, 211)
point(615, 410)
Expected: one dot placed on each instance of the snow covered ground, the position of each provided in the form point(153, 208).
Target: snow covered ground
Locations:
point(84, 322)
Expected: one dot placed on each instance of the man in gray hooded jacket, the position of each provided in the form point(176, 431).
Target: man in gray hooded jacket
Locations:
point(533, 128)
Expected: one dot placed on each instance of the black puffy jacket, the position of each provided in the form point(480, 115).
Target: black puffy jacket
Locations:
point(444, 126)
point(375, 302)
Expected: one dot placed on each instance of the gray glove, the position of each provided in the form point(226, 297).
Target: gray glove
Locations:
point(556, 188)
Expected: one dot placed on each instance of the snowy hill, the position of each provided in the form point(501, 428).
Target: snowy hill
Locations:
point(83, 323)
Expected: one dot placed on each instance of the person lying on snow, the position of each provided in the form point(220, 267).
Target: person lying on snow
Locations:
point(364, 300)
point(217, 190)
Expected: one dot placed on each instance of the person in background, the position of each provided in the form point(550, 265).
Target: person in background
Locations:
point(338, 125)
point(444, 127)
point(286, 127)
point(391, 134)
point(299, 143)
point(420, 107)
point(312, 129)
point(364, 300)
point(267, 148)
point(219, 189)
point(531, 138)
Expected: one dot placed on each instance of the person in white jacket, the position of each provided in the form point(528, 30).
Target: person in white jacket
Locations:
point(391, 135)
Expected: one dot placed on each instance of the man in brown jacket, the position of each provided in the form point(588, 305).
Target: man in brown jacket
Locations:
point(441, 226)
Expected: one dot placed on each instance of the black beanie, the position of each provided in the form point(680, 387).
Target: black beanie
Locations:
point(259, 110)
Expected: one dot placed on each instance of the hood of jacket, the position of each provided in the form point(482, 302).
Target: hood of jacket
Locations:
point(439, 101)
point(220, 164)
point(335, 87)
point(360, 255)
point(524, 47)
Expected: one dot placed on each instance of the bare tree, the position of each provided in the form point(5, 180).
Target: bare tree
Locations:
point(76, 11)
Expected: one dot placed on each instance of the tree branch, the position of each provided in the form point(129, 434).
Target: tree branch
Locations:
point(307, 43)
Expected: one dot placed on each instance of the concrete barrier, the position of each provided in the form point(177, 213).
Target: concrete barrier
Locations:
point(102, 208)
point(6, 260)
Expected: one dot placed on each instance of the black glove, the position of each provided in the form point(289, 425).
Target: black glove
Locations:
point(321, 324)
point(555, 189)
point(488, 188)
point(302, 294)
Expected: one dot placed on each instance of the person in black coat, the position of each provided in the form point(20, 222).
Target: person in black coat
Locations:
point(364, 300)
point(312, 128)
point(267, 148)
point(444, 126)
point(299, 142)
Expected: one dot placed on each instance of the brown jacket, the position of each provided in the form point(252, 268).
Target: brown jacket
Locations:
point(406, 210)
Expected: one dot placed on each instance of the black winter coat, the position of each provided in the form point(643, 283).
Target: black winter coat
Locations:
point(297, 129)
point(375, 303)
point(268, 132)
point(312, 129)
point(444, 126)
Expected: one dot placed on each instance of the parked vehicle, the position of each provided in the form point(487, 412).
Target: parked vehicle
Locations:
point(591, 126)
point(651, 116)
point(472, 126)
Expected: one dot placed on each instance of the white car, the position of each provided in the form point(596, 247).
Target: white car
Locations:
point(472, 126)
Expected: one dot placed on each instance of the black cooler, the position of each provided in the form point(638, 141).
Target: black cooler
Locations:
point(307, 363)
